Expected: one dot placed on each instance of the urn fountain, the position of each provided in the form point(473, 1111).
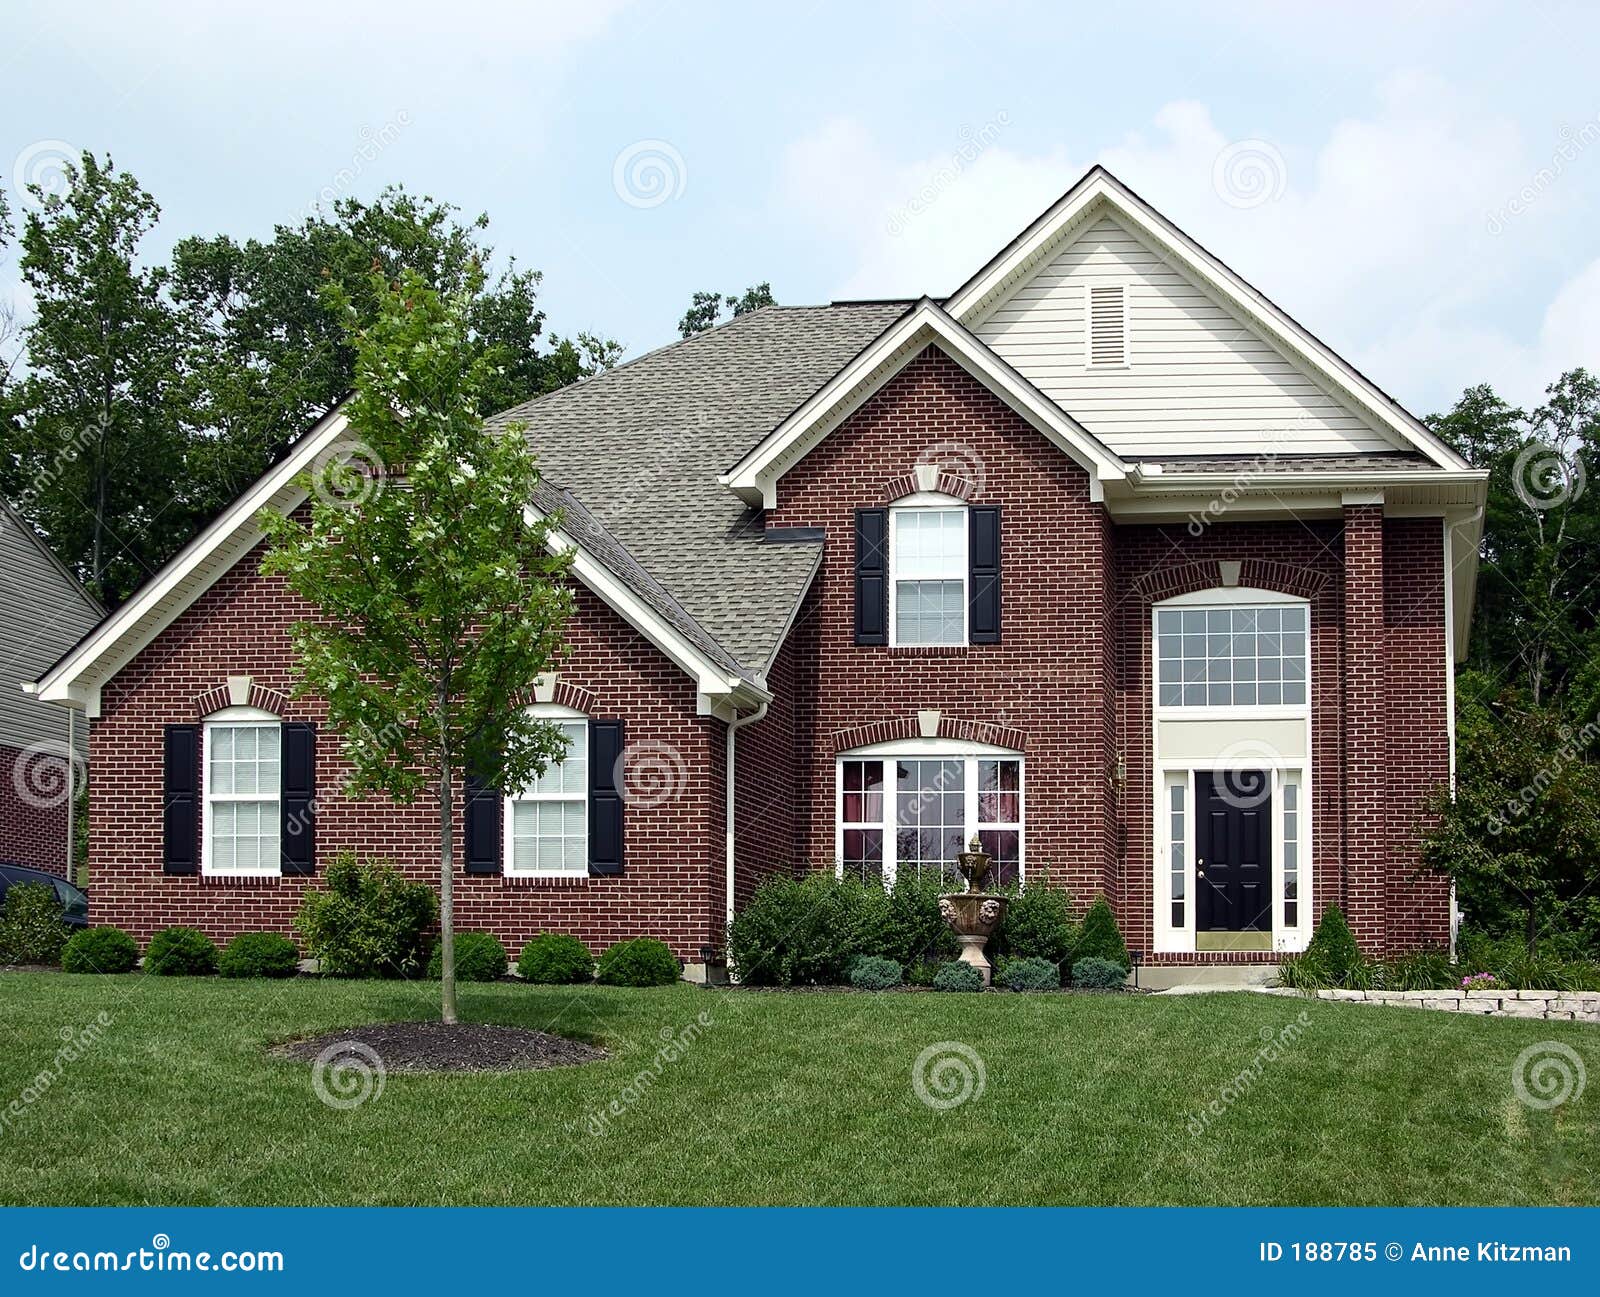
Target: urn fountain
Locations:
point(974, 914)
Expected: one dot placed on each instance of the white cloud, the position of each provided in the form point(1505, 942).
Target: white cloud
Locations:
point(1389, 238)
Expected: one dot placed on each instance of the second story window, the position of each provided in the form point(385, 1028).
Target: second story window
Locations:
point(928, 575)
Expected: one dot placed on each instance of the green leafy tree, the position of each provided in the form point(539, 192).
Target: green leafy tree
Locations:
point(96, 442)
point(705, 310)
point(1521, 834)
point(438, 601)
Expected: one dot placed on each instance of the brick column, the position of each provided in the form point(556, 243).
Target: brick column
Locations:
point(1366, 855)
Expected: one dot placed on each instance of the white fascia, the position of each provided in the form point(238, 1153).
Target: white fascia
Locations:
point(978, 295)
point(755, 478)
point(720, 691)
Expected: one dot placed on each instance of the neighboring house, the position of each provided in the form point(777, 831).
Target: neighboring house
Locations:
point(1103, 557)
point(43, 612)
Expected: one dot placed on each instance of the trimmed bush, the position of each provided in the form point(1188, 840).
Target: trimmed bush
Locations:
point(808, 931)
point(479, 958)
point(1030, 974)
point(181, 952)
point(31, 930)
point(555, 959)
point(1038, 925)
point(1101, 938)
point(912, 929)
point(370, 922)
point(641, 962)
point(1097, 974)
point(1332, 950)
point(100, 950)
point(871, 973)
point(259, 954)
point(957, 976)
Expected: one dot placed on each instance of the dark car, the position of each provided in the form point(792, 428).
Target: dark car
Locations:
point(74, 902)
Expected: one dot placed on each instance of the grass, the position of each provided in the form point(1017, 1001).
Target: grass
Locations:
point(783, 1098)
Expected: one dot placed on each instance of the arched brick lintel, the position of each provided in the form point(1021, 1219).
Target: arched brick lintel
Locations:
point(1255, 573)
point(216, 698)
point(910, 727)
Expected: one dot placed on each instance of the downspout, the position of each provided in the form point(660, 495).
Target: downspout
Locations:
point(734, 726)
point(72, 793)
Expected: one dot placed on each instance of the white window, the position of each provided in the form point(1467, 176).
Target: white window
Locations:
point(242, 750)
point(928, 574)
point(547, 824)
point(1239, 656)
point(1291, 850)
point(1178, 856)
point(915, 807)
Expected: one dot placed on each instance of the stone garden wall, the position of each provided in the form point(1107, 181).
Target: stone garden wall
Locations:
point(1561, 1005)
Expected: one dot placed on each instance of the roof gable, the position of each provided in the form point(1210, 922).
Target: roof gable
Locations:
point(1285, 387)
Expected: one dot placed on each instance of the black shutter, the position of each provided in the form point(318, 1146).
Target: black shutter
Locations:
point(605, 797)
point(983, 585)
point(180, 811)
point(298, 806)
point(872, 576)
point(484, 808)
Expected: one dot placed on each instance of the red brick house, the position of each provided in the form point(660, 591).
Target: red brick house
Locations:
point(1102, 557)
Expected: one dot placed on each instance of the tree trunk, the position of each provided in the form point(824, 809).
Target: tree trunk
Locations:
point(447, 908)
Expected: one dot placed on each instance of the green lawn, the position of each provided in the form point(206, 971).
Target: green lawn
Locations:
point(782, 1099)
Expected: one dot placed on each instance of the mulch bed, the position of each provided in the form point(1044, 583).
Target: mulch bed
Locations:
point(449, 1047)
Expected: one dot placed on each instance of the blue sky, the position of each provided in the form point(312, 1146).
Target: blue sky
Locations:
point(1418, 184)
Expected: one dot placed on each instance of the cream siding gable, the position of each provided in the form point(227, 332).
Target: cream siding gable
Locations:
point(1198, 379)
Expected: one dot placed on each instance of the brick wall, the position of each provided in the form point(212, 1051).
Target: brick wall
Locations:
point(672, 884)
point(33, 809)
point(1366, 768)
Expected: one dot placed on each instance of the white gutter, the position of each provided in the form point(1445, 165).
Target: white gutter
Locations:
point(734, 726)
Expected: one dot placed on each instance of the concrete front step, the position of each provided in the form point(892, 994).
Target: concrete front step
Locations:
point(1190, 979)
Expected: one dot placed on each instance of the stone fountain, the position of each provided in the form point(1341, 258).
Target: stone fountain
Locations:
point(974, 914)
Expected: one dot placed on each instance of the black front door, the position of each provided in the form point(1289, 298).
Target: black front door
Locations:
point(1233, 851)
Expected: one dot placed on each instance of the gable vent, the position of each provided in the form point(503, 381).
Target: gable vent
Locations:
point(1108, 325)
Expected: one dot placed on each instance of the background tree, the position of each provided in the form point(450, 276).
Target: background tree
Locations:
point(95, 445)
point(705, 310)
point(438, 603)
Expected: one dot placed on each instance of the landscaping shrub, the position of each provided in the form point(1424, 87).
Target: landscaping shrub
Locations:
point(922, 973)
point(957, 976)
point(1101, 938)
point(1094, 973)
point(555, 959)
point(1332, 949)
point(1030, 974)
point(370, 922)
point(31, 930)
point(808, 931)
point(180, 952)
point(479, 958)
point(1038, 925)
point(641, 962)
point(912, 929)
point(1301, 973)
point(872, 973)
point(99, 950)
point(1421, 970)
point(259, 954)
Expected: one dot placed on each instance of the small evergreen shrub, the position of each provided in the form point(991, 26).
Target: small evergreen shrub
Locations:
point(872, 973)
point(555, 959)
point(1094, 973)
point(259, 954)
point(479, 958)
point(180, 952)
point(957, 976)
point(641, 962)
point(1101, 938)
point(922, 973)
point(1332, 948)
point(1038, 925)
point(371, 921)
point(1030, 974)
point(31, 930)
point(808, 931)
point(99, 950)
point(912, 929)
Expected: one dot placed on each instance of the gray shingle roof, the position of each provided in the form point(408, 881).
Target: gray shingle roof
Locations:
point(641, 446)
